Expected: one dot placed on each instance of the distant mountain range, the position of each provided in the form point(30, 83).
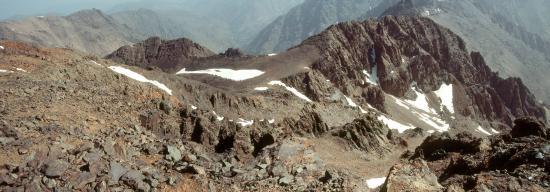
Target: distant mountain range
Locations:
point(89, 31)
point(216, 24)
point(305, 20)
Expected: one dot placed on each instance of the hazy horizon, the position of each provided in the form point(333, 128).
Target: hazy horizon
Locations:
point(12, 8)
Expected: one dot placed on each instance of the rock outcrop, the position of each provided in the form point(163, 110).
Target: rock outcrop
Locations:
point(154, 52)
point(402, 52)
point(511, 35)
point(508, 162)
point(414, 176)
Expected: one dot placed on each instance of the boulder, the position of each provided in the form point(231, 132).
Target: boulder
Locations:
point(173, 153)
point(529, 126)
point(117, 171)
point(414, 176)
point(56, 168)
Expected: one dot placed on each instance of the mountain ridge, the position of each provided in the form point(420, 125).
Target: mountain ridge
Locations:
point(511, 46)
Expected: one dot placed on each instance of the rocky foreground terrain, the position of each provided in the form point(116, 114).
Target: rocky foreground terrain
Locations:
point(398, 104)
point(515, 161)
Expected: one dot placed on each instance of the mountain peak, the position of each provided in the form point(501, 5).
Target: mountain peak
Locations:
point(167, 55)
point(401, 51)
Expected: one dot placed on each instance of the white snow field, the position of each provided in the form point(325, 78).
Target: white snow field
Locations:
point(235, 75)
point(140, 78)
point(291, 89)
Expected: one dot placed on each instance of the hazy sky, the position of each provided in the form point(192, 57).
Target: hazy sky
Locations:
point(9, 8)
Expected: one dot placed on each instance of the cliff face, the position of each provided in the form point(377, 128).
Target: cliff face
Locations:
point(512, 35)
point(155, 52)
point(405, 52)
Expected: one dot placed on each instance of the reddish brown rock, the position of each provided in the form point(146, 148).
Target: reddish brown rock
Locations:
point(411, 50)
point(529, 126)
point(154, 52)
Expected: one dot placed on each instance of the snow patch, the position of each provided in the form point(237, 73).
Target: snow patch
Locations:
point(420, 109)
point(445, 93)
point(353, 104)
point(480, 129)
point(291, 89)
point(1, 47)
point(19, 69)
point(431, 12)
point(235, 75)
point(219, 118)
point(95, 63)
point(5, 71)
point(194, 107)
point(372, 78)
point(307, 68)
point(140, 78)
point(494, 131)
point(375, 182)
point(244, 122)
point(394, 124)
point(272, 54)
point(400, 103)
point(435, 122)
point(261, 88)
point(41, 17)
point(350, 102)
point(430, 131)
point(271, 121)
point(421, 102)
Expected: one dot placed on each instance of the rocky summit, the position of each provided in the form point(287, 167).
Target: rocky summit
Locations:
point(397, 103)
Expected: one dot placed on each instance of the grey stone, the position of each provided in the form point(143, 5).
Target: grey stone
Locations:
point(227, 164)
point(22, 151)
point(286, 180)
point(190, 158)
point(173, 153)
point(152, 182)
point(262, 166)
point(108, 147)
point(135, 179)
point(84, 178)
point(49, 183)
point(117, 170)
point(137, 128)
point(172, 181)
point(6, 140)
point(298, 170)
point(237, 171)
point(92, 157)
point(56, 168)
point(34, 185)
point(278, 170)
point(197, 170)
